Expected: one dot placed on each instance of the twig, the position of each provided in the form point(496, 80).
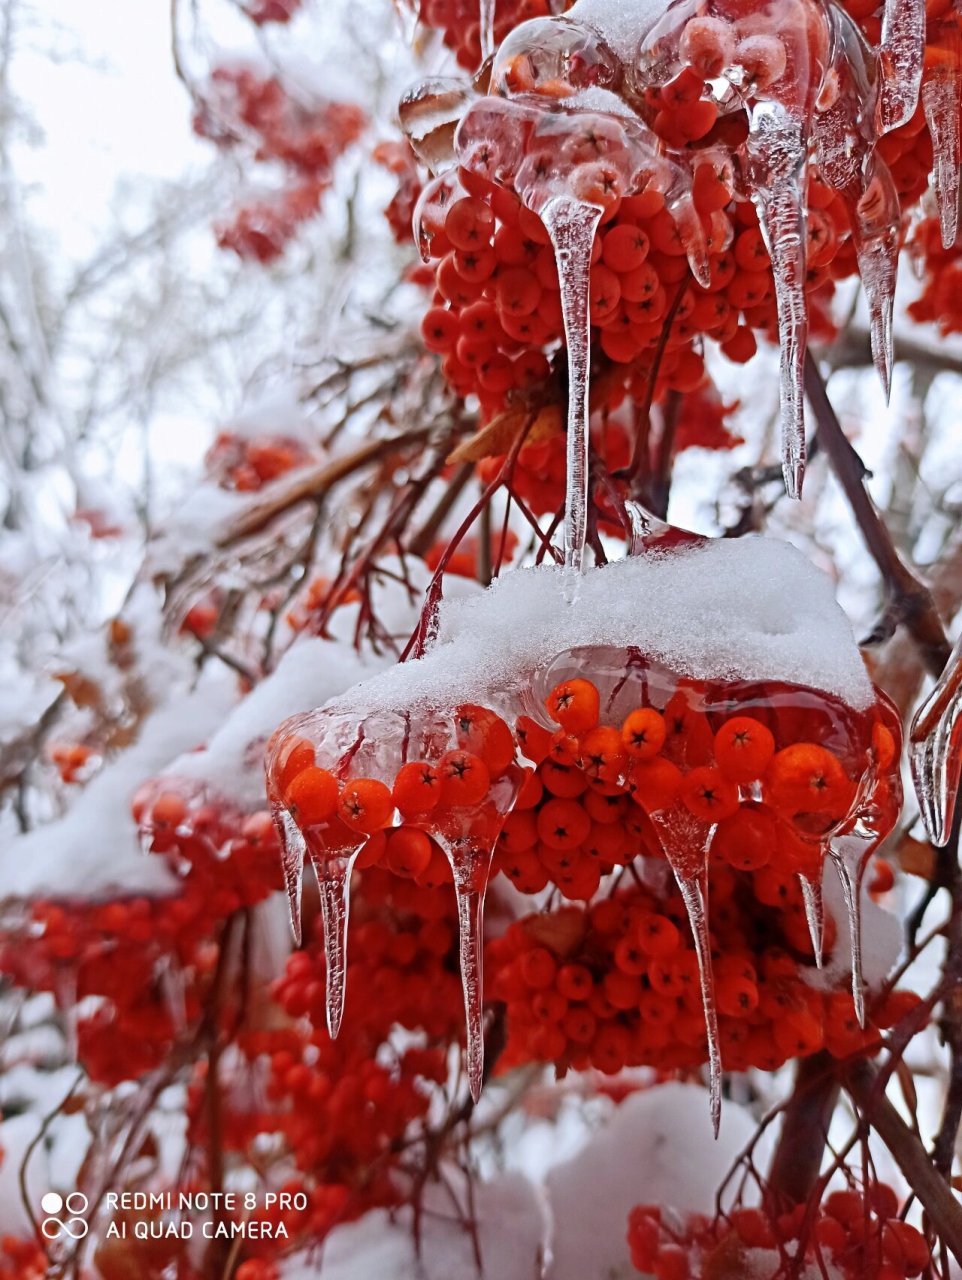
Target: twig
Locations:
point(909, 601)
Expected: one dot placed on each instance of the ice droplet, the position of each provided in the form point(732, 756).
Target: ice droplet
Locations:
point(685, 842)
point(940, 101)
point(814, 914)
point(293, 853)
point(849, 855)
point(333, 872)
point(901, 52)
point(571, 224)
point(776, 152)
point(471, 869)
point(934, 750)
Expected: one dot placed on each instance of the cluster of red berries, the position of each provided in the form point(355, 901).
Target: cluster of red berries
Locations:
point(244, 110)
point(345, 1107)
point(616, 984)
point(762, 785)
point(857, 1235)
point(148, 961)
point(424, 795)
point(246, 463)
point(21, 1259)
point(941, 271)
point(459, 22)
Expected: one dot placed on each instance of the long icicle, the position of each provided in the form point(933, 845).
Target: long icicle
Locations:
point(814, 914)
point(333, 872)
point(571, 224)
point(486, 21)
point(777, 164)
point(940, 101)
point(471, 869)
point(293, 852)
point(848, 857)
point(902, 49)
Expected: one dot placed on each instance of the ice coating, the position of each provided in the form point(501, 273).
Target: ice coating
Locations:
point(686, 842)
point(777, 153)
point(801, 76)
point(486, 10)
point(746, 608)
point(363, 745)
point(901, 52)
point(940, 101)
point(571, 224)
point(934, 751)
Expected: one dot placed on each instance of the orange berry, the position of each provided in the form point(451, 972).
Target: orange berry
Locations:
point(465, 779)
point(366, 805)
point(743, 749)
point(643, 733)
point(883, 744)
point(293, 755)
point(534, 740)
point(746, 840)
point(709, 795)
point(602, 754)
point(312, 796)
point(417, 788)
point(654, 784)
point(408, 851)
point(575, 705)
point(563, 824)
point(805, 778)
point(486, 735)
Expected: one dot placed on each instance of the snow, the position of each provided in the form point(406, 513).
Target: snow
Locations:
point(510, 1234)
point(311, 672)
point(623, 23)
point(275, 413)
point(93, 851)
point(748, 609)
point(657, 1148)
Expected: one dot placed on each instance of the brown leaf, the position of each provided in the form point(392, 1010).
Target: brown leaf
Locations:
point(499, 435)
point(916, 857)
point(562, 932)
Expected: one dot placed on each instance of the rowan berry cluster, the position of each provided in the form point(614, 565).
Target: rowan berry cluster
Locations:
point(857, 1234)
point(148, 962)
point(941, 271)
point(616, 984)
point(243, 110)
point(247, 463)
point(458, 20)
point(71, 759)
point(21, 1259)
point(397, 822)
point(346, 1107)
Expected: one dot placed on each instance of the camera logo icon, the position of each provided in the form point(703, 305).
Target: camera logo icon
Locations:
point(63, 1215)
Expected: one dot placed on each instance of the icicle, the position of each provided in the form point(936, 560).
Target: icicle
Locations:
point(685, 843)
point(902, 49)
point(333, 871)
point(690, 228)
point(877, 217)
point(934, 750)
point(486, 15)
point(814, 914)
point(293, 852)
point(777, 152)
point(571, 224)
point(641, 527)
point(877, 267)
point(849, 856)
point(471, 869)
point(940, 100)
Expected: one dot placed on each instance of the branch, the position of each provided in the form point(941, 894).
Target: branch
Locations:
point(801, 1142)
point(909, 601)
point(926, 1182)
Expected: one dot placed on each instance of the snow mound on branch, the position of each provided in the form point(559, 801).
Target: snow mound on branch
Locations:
point(510, 1232)
point(93, 851)
point(623, 23)
point(743, 609)
point(657, 1148)
point(275, 413)
point(311, 672)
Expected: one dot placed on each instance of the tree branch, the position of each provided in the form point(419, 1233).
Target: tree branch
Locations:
point(909, 601)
